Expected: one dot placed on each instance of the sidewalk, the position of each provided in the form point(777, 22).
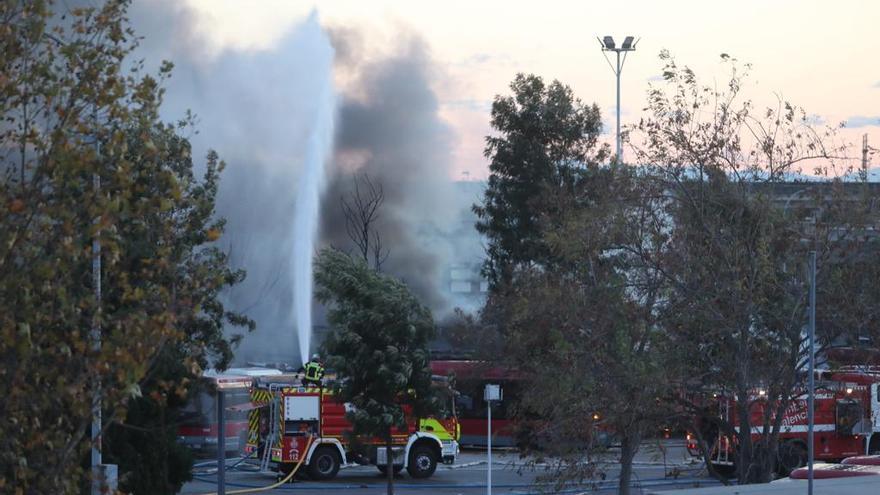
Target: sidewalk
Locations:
point(670, 453)
point(865, 485)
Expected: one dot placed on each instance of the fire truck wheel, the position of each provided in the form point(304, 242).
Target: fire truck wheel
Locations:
point(874, 446)
point(325, 463)
point(422, 461)
point(792, 455)
point(725, 471)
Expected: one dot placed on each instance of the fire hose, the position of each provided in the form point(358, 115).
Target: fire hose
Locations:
point(276, 484)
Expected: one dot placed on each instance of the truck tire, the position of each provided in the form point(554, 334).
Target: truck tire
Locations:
point(791, 455)
point(874, 446)
point(726, 471)
point(325, 463)
point(422, 461)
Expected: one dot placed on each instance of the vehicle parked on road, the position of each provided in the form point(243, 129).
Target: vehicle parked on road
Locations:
point(846, 421)
point(291, 421)
point(199, 418)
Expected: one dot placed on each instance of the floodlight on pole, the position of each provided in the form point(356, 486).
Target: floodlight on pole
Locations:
point(608, 45)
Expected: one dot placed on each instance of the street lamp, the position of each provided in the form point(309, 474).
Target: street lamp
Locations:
point(608, 45)
point(492, 392)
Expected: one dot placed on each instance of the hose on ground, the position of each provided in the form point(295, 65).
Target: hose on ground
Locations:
point(277, 484)
point(197, 468)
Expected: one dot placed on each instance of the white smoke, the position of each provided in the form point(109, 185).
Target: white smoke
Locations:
point(269, 114)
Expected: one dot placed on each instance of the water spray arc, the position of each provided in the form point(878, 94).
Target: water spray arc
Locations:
point(307, 208)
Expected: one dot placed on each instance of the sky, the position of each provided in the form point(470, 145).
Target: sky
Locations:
point(817, 54)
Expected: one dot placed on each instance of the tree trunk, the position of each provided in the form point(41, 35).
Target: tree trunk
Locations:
point(744, 454)
point(629, 445)
point(389, 466)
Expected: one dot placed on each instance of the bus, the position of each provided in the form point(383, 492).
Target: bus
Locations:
point(470, 379)
point(198, 421)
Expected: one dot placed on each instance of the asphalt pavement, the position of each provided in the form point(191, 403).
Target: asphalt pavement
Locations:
point(663, 465)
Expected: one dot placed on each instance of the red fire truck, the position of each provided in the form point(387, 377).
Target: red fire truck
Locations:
point(846, 420)
point(292, 422)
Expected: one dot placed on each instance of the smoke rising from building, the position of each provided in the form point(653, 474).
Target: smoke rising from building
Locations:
point(390, 130)
point(257, 108)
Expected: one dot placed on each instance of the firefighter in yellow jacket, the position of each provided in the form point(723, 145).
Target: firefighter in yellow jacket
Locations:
point(314, 371)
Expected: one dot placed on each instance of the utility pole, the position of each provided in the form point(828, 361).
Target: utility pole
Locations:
point(608, 45)
point(97, 475)
point(864, 173)
point(811, 390)
point(104, 476)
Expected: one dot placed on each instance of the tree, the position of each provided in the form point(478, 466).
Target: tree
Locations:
point(586, 333)
point(378, 346)
point(361, 210)
point(145, 445)
point(735, 264)
point(544, 133)
point(89, 160)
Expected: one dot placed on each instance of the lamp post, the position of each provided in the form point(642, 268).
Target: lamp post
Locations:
point(492, 392)
point(608, 45)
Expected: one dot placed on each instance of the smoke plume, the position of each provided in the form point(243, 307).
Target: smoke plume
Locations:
point(390, 131)
point(257, 108)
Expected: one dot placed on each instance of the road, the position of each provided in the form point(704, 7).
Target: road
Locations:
point(510, 476)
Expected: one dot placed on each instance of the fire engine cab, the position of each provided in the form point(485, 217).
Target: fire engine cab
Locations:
point(292, 422)
point(846, 420)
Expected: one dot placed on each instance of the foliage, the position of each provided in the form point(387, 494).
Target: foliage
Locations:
point(544, 133)
point(87, 158)
point(378, 345)
point(144, 445)
point(586, 333)
point(635, 289)
point(736, 261)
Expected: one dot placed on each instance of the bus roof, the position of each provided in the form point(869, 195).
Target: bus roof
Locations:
point(473, 369)
point(247, 371)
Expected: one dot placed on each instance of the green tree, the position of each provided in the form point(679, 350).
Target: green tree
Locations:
point(88, 159)
point(735, 266)
point(587, 332)
point(145, 446)
point(378, 346)
point(543, 134)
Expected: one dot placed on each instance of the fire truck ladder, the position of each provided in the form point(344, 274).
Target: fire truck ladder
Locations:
point(273, 435)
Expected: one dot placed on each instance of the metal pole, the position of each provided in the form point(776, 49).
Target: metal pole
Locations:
point(97, 477)
point(221, 445)
point(812, 383)
point(619, 148)
point(489, 443)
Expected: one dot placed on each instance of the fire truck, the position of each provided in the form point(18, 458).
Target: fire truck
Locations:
point(292, 422)
point(846, 420)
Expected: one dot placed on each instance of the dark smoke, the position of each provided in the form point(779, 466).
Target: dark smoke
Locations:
point(389, 128)
point(256, 107)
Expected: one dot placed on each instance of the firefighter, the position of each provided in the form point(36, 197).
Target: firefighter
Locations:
point(314, 371)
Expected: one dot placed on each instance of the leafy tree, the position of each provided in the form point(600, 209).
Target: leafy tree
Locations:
point(586, 333)
point(88, 159)
point(543, 134)
point(145, 444)
point(378, 346)
point(735, 266)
